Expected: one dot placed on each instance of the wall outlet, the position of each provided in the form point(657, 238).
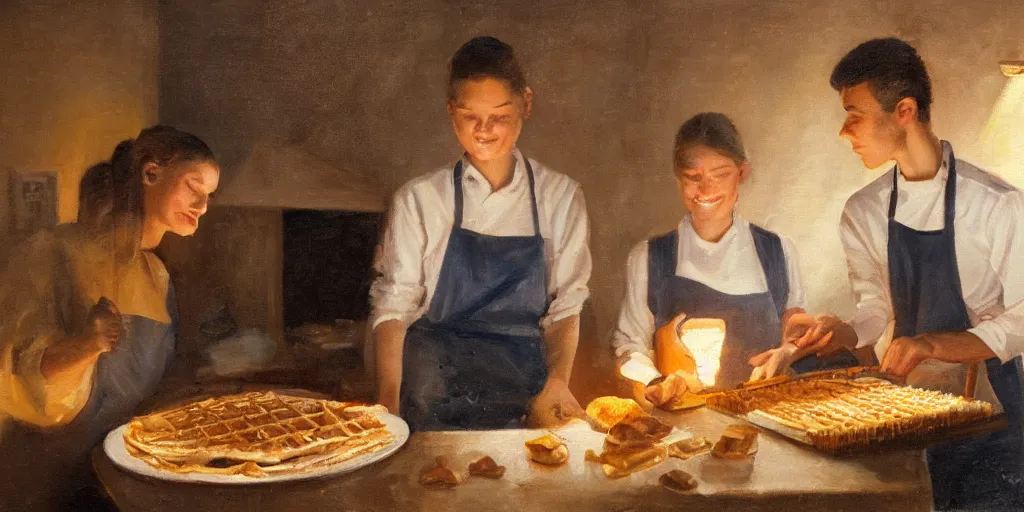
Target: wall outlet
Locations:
point(33, 200)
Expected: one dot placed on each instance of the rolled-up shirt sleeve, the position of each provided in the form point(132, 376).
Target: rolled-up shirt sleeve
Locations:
point(634, 332)
point(571, 265)
point(867, 277)
point(1004, 332)
point(35, 300)
point(397, 291)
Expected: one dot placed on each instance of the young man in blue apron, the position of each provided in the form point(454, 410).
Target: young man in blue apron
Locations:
point(934, 249)
point(483, 269)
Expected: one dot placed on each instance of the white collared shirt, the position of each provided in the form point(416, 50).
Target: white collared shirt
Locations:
point(730, 266)
point(420, 222)
point(989, 240)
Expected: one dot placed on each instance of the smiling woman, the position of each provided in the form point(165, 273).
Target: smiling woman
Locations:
point(714, 265)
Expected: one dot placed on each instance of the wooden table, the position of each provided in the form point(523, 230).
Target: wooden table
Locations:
point(782, 476)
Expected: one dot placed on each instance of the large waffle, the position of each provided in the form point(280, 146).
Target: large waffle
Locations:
point(256, 433)
point(842, 414)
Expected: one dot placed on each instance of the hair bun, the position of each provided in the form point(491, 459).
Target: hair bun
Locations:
point(123, 149)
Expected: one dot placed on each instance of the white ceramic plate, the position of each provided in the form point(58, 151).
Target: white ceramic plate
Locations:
point(113, 445)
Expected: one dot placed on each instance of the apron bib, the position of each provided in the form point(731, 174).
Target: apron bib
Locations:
point(924, 282)
point(751, 320)
point(476, 358)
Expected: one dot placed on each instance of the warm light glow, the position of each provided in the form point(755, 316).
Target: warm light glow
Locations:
point(1001, 145)
point(704, 338)
point(638, 368)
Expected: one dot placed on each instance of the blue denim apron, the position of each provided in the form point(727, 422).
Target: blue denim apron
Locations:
point(43, 468)
point(924, 281)
point(751, 320)
point(476, 358)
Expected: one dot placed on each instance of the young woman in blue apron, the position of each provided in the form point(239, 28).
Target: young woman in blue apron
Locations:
point(933, 249)
point(715, 265)
point(483, 269)
point(89, 317)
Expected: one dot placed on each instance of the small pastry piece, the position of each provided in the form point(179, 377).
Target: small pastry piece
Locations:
point(679, 481)
point(688, 448)
point(487, 468)
point(439, 476)
point(638, 431)
point(625, 460)
point(547, 449)
point(606, 411)
point(665, 389)
point(592, 456)
point(737, 442)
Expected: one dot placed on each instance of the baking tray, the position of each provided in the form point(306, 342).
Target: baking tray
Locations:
point(922, 440)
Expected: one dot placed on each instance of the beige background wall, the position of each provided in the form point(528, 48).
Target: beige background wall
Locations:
point(360, 84)
point(75, 78)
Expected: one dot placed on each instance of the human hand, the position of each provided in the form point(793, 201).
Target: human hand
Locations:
point(553, 406)
point(905, 353)
point(103, 326)
point(820, 336)
point(770, 362)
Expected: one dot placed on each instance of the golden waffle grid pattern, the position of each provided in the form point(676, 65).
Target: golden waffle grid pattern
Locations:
point(271, 432)
point(838, 414)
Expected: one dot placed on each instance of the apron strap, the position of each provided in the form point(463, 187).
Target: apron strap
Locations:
point(893, 195)
point(949, 220)
point(663, 258)
point(457, 183)
point(773, 263)
point(662, 253)
point(533, 197)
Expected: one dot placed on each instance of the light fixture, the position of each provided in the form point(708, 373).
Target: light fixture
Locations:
point(1012, 68)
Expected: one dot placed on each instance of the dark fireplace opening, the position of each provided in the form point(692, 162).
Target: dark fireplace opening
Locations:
point(327, 265)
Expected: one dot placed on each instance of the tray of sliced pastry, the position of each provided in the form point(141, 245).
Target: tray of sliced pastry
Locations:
point(858, 409)
point(255, 437)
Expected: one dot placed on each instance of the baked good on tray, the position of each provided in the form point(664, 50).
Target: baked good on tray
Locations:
point(841, 413)
point(255, 434)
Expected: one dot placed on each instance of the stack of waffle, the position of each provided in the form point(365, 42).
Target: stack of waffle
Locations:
point(255, 434)
point(840, 414)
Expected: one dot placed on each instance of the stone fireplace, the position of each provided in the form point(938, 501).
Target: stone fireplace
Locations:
point(284, 252)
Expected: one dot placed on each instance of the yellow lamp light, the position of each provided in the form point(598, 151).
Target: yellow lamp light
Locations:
point(1012, 68)
point(704, 338)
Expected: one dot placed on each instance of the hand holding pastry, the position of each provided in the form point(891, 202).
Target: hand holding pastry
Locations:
point(665, 389)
